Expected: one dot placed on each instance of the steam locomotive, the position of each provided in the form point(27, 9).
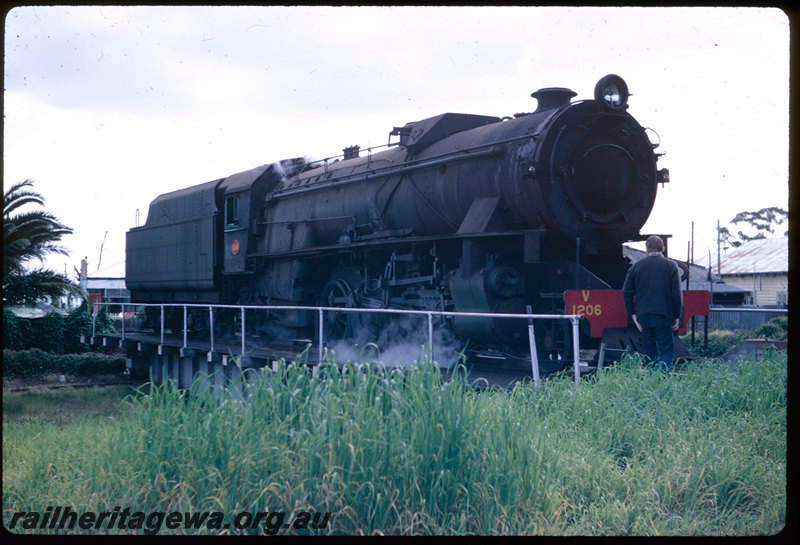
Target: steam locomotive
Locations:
point(458, 212)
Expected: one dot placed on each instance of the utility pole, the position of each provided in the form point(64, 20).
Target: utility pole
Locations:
point(688, 262)
point(101, 250)
point(719, 242)
point(710, 282)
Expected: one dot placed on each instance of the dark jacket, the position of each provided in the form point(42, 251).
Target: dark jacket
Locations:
point(653, 286)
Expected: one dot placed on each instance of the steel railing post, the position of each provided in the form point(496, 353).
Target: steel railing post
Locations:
point(430, 335)
point(243, 330)
point(576, 349)
point(532, 343)
point(162, 325)
point(185, 322)
point(123, 321)
point(211, 326)
point(321, 334)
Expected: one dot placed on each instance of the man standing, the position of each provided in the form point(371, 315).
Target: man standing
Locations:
point(653, 300)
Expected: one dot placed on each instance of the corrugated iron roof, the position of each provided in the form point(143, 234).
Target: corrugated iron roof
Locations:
point(767, 255)
point(37, 310)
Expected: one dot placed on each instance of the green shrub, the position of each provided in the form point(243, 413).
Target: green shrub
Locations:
point(103, 323)
point(47, 333)
point(54, 333)
point(776, 329)
point(16, 331)
point(91, 364)
point(720, 341)
point(78, 323)
point(35, 362)
point(26, 363)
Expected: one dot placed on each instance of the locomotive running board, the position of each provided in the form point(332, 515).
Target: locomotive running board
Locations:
point(321, 251)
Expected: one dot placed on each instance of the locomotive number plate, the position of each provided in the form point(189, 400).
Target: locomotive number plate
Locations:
point(603, 308)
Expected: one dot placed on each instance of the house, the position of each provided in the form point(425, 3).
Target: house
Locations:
point(760, 267)
point(103, 289)
point(107, 290)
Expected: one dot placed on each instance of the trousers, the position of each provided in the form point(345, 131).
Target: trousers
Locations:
point(658, 344)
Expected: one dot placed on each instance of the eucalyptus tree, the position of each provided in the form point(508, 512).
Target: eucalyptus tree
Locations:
point(757, 224)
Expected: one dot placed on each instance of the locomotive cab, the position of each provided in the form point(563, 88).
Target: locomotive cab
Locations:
point(243, 196)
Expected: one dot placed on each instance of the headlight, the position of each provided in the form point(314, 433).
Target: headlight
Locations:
point(612, 93)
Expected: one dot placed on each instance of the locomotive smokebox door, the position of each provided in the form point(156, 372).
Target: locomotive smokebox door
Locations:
point(599, 175)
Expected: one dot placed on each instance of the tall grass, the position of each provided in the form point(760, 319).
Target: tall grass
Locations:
point(407, 452)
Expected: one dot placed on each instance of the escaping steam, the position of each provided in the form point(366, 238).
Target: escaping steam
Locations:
point(402, 342)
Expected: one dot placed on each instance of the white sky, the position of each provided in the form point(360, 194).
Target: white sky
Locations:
point(108, 107)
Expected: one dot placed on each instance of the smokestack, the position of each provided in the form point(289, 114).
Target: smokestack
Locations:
point(551, 98)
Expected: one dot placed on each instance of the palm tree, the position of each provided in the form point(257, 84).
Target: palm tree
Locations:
point(35, 286)
point(28, 235)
